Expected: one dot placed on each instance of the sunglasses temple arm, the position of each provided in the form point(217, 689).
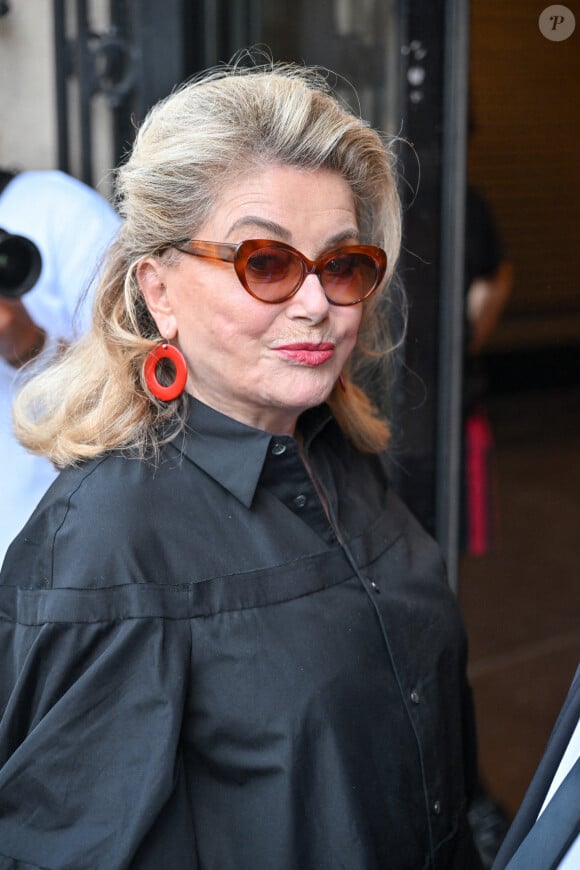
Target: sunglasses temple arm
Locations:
point(210, 250)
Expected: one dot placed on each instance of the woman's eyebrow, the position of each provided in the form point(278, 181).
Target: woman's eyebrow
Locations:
point(274, 229)
point(345, 236)
point(268, 226)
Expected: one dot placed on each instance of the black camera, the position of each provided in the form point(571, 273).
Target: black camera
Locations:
point(20, 265)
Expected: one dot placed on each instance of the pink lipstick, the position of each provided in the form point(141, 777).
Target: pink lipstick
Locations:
point(307, 353)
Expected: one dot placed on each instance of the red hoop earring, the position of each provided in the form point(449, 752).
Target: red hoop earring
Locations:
point(173, 390)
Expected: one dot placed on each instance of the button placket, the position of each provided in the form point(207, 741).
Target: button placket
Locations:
point(286, 476)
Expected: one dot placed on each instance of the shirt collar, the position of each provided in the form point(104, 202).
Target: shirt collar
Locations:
point(232, 453)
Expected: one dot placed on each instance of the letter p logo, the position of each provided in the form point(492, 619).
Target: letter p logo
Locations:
point(557, 23)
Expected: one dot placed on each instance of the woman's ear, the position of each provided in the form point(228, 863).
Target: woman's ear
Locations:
point(151, 277)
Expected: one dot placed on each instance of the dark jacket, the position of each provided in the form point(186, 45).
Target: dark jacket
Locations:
point(199, 670)
point(542, 780)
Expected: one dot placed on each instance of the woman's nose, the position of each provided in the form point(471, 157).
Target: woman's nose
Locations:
point(310, 300)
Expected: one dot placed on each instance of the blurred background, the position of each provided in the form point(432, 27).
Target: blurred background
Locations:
point(479, 96)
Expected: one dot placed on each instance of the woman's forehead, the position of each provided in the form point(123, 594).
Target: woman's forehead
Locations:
point(279, 199)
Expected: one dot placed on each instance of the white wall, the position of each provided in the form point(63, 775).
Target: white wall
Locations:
point(28, 122)
point(27, 105)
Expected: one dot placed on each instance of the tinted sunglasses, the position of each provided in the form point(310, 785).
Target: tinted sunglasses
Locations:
point(273, 272)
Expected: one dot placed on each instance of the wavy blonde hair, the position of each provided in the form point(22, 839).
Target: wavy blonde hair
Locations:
point(192, 144)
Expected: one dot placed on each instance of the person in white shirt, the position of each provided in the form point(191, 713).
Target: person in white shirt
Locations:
point(71, 225)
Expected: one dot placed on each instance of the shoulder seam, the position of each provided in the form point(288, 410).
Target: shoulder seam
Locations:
point(71, 494)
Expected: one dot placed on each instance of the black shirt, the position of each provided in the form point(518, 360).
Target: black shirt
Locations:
point(484, 251)
point(199, 670)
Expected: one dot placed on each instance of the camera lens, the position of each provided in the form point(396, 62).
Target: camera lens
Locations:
point(20, 265)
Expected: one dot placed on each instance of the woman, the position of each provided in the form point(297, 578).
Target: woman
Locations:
point(227, 644)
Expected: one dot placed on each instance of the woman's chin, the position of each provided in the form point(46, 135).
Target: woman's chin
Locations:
point(296, 401)
point(301, 396)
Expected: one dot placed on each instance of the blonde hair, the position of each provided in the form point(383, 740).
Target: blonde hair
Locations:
point(192, 144)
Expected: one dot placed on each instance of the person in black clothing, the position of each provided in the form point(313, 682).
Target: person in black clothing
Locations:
point(488, 286)
point(488, 272)
point(225, 642)
point(545, 834)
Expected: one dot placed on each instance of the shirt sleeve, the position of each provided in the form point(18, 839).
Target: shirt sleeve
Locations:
point(89, 734)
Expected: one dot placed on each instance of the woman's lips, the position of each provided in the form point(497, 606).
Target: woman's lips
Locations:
point(307, 353)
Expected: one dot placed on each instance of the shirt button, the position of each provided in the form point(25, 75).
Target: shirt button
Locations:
point(278, 449)
point(415, 696)
point(376, 587)
point(437, 807)
point(300, 501)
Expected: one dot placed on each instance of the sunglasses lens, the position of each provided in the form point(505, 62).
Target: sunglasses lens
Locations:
point(350, 276)
point(272, 273)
